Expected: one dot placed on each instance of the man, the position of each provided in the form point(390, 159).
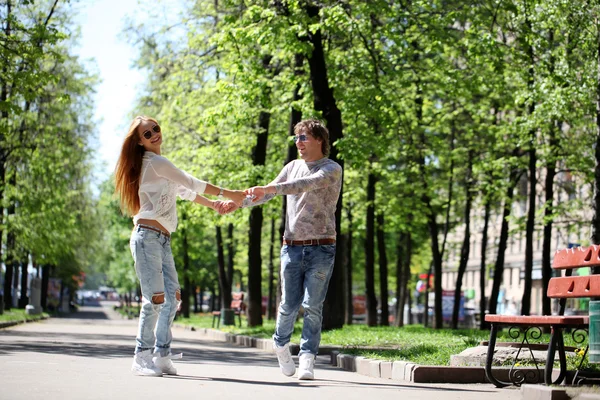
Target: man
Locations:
point(312, 186)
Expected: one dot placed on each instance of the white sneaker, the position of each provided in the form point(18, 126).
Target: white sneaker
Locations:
point(143, 365)
point(307, 364)
point(284, 356)
point(165, 364)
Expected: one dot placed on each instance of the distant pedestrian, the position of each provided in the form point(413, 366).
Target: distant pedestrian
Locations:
point(312, 186)
point(147, 184)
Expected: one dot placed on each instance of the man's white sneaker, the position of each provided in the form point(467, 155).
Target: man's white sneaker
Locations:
point(143, 364)
point(284, 356)
point(165, 364)
point(306, 368)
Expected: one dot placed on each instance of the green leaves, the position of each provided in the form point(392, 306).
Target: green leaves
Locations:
point(46, 128)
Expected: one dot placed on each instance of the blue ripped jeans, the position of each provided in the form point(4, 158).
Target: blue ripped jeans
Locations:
point(305, 275)
point(155, 269)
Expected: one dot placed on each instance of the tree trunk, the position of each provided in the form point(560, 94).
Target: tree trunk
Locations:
point(292, 154)
point(254, 268)
point(407, 295)
point(201, 299)
point(426, 300)
point(402, 265)
point(259, 155)
point(185, 290)
point(596, 204)
point(10, 263)
point(224, 279)
point(499, 266)
point(549, 206)
point(2, 185)
point(383, 271)
point(45, 282)
point(23, 299)
point(548, 212)
point(230, 257)
point(213, 299)
point(370, 253)
point(3, 152)
point(431, 220)
point(530, 226)
point(8, 282)
point(324, 102)
point(16, 283)
point(271, 300)
point(529, 231)
point(466, 246)
point(483, 266)
point(348, 270)
point(437, 269)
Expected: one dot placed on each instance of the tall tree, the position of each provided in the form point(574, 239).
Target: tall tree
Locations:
point(383, 270)
point(325, 103)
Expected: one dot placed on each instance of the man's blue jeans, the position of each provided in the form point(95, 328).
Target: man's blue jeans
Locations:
point(305, 274)
point(155, 269)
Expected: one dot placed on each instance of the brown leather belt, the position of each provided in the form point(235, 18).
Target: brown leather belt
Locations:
point(152, 228)
point(309, 242)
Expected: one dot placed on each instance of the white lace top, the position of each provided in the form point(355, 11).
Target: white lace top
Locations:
point(160, 182)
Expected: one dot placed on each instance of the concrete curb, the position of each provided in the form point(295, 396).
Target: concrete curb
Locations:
point(24, 321)
point(402, 370)
point(11, 323)
point(397, 370)
point(541, 392)
point(537, 392)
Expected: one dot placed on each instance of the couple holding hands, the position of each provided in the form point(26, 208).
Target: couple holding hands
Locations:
point(148, 183)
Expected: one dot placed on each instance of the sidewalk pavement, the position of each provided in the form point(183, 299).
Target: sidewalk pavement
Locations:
point(88, 356)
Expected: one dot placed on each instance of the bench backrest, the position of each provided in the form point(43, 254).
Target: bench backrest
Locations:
point(575, 286)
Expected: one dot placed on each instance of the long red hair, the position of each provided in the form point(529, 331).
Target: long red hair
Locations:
point(129, 168)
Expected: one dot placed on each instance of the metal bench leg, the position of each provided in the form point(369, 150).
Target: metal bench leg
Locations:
point(562, 356)
point(555, 343)
point(490, 358)
point(218, 319)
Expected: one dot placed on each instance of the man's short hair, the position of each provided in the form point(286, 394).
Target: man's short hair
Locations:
point(317, 130)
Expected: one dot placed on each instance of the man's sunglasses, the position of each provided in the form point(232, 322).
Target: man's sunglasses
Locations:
point(300, 138)
point(148, 134)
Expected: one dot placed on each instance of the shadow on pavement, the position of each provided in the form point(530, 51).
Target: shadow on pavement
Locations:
point(82, 345)
point(91, 310)
point(317, 383)
point(196, 351)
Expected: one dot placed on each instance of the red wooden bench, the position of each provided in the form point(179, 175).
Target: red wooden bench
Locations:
point(237, 305)
point(531, 327)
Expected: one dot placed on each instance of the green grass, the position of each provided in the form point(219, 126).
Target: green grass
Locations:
point(413, 343)
point(17, 315)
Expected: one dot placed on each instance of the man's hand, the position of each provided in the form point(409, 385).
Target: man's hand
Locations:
point(237, 196)
point(256, 193)
point(225, 207)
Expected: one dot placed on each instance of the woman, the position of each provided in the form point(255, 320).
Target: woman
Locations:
point(147, 185)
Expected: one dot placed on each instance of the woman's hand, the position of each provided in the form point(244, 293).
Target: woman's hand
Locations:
point(225, 207)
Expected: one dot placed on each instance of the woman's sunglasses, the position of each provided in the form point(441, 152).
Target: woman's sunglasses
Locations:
point(149, 134)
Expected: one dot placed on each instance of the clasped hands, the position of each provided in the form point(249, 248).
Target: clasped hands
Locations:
point(255, 193)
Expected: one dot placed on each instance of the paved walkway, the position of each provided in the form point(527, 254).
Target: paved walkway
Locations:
point(88, 356)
